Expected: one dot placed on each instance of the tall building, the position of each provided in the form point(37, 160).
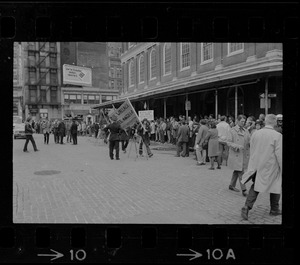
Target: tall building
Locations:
point(91, 60)
point(17, 80)
point(114, 65)
point(41, 82)
point(202, 78)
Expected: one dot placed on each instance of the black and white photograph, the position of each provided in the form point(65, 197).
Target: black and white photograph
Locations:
point(147, 133)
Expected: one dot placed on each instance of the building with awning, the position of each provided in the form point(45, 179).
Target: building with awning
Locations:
point(202, 78)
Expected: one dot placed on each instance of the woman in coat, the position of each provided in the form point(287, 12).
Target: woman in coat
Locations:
point(239, 152)
point(213, 145)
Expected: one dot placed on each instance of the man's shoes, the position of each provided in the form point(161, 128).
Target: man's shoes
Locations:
point(234, 188)
point(150, 155)
point(118, 158)
point(112, 158)
point(245, 193)
point(36, 150)
point(244, 212)
point(275, 212)
point(211, 168)
point(25, 151)
point(218, 167)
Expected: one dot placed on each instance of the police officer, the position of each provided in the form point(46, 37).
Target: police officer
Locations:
point(114, 138)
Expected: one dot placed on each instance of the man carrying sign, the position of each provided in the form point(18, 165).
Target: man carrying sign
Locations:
point(114, 138)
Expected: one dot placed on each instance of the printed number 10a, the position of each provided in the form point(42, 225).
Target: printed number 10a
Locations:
point(79, 254)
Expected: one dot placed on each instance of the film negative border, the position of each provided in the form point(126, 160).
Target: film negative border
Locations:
point(150, 243)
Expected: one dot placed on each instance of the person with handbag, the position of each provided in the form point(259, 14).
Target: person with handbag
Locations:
point(200, 151)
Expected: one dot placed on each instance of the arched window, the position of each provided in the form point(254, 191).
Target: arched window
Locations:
point(141, 69)
point(185, 55)
point(153, 64)
point(167, 58)
point(131, 73)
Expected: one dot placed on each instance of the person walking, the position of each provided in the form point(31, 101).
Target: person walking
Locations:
point(152, 125)
point(265, 167)
point(143, 131)
point(46, 130)
point(223, 134)
point(213, 145)
point(200, 151)
point(114, 129)
point(96, 128)
point(238, 142)
point(73, 131)
point(28, 132)
point(182, 139)
point(61, 131)
point(124, 138)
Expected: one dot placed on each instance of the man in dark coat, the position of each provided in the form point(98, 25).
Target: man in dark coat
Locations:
point(61, 131)
point(96, 127)
point(124, 138)
point(28, 132)
point(73, 131)
point(114, 138)
point(182, 139)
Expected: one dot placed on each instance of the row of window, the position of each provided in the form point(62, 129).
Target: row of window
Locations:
point(185, 59)
point(87, 98)
point(43, 76)
point(43, 94)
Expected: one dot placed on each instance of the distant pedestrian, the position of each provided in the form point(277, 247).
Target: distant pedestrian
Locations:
point(223, 133)
point(46, 130)
point(213, 145)
point(74, 131)
point(55, 131)
point(96, 128)
point(143, 131)
point(152, 136)
point(278, 126)
point(265, 166)
point(68, 131)
point(200, 151)
point(114, 139)
point(28, 132)
point(182, 139)
point(61, 131)
point(239, 144)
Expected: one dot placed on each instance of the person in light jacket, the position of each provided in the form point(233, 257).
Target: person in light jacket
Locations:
point(46, 130)
point(200, 151)
point(265, 166)
point(239, 152)
point(182, 139)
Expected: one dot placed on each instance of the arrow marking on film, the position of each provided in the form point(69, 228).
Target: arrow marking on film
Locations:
point(194, 256)
point(57, 255)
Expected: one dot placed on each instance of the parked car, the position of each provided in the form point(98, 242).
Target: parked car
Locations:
point(18, 127)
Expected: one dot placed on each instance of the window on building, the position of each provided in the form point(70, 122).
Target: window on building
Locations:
point(53, 94)
point(142, 69)
point(53, 78)
point(52, 47)
point(206, 52)
point(185, 55)
point(112, 84)
point(108, 98)
point(131, 73)
point(42, 46)
point(53, 61)
point(78, 99)
point(43, 78)
point(167, 58)
point(119, 72)
point(32, 94)
point(153, 64)
point(72, 99)
point(43, 95)
point(66, 99)
point(42, 61)
point(234, 48)
point(32, 76)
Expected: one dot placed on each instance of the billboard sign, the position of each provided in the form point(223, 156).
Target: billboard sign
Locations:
point(77, 75)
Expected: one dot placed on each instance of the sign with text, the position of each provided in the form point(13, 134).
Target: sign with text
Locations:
point(125, 114)
point(146, 114)
point(77, 75)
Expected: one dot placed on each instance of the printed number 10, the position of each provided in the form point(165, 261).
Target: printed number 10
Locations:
point(79, 254)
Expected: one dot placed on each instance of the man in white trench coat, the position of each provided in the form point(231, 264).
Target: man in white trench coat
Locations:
point(265, 166)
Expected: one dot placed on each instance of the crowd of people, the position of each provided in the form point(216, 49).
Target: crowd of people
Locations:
point(222, 141)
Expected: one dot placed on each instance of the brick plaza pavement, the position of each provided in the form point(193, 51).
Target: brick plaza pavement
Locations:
point(80, 184)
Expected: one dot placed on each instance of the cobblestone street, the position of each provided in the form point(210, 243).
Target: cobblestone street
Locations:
point(80, 184)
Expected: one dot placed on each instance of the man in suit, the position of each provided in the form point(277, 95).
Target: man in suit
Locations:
point(73, 131)
point(182, 139)
point(114, 139)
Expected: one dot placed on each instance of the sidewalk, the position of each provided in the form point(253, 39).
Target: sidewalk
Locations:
point(80, 184)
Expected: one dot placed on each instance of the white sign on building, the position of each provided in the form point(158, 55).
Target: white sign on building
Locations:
point(77, 75)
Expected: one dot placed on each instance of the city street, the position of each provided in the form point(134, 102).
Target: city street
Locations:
point(80, 184)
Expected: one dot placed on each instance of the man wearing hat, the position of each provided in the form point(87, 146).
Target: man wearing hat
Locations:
point(278, 126)
point(28, 132)
point(114, 138)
